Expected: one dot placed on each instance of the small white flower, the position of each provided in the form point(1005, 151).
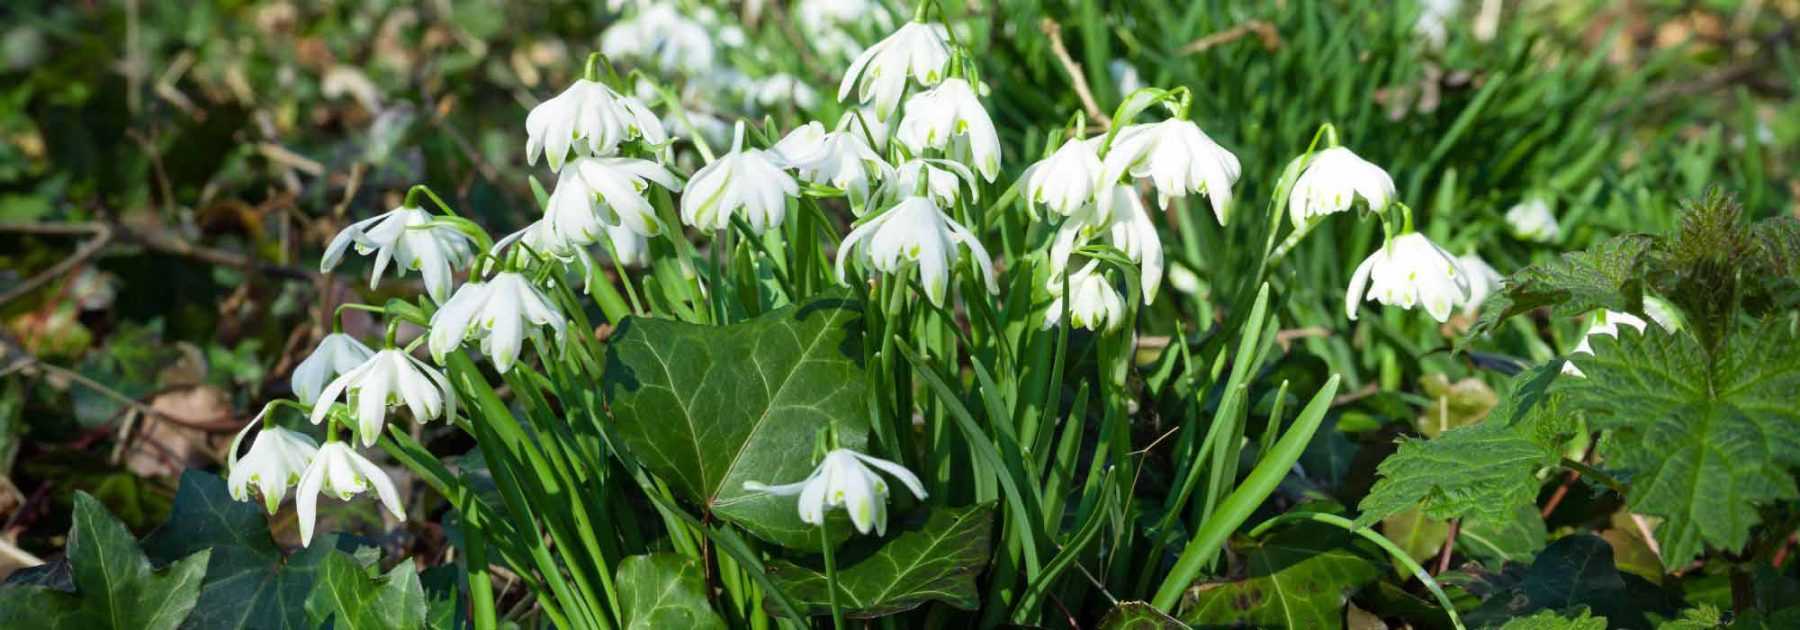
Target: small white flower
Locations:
point(1129, 228)
point(1066, 180)
point(541, 238)
point(1409, 270)
point(337, 353)
point(863, 121)
point(274, 463)
point(744, 181)
point(1332, 182)
point(499, 312)
point(1483, 280)
point(804, 144)
point(917, 49)
point(1179, 158)
point(781, 89)
point(339, 471)
point(390, 378)
point(915, 231)
point(943, 180)
point(595, 192)
point(1093, 303)
point(846, 162)
point(405, 235)
point(1532, 220)
point(662, 35)
point(629, 247)
point(844, 480)
point(1605, 323)
point(589, 118)
point(950, 118)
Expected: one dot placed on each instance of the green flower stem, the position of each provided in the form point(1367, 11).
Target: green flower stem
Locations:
point(337, 314)
point(831, 583)
point(1394, 550)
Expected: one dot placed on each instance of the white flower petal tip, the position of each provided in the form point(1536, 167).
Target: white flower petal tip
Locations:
point(274, 463)
point(745, 182)
point(1092, 301)
point(949, 118)
point(338, 470)
point(406, 235)
point(590, 119)
point(1409, 271)
point(879, 75)
point(1334, 179)
point(1178, 158)
point(916, 232)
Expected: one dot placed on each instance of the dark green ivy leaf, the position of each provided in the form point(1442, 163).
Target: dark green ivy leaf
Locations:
point(1609, 275)
point(1139, 616)
point(935, 561)
point(665, 590)
point(1572, 574)
point(115, 587)
point(349, 597)
point(1301, 577)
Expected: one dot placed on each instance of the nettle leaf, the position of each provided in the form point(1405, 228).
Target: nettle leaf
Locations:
point(1514, 538)
point(707, 408)
point(1139, 616)
point(1550, 620)
point(115, 586)
point(1775, 265)
point(1483, 471)
point(1572, 574)
point(934, 561)
point(1608, 275)
point(1704, 446)
point(349, 597)
point(665, 590)
point(1302, 577)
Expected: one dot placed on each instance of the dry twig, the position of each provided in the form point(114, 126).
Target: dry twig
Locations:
point(1263, 31)
point(1076, 75)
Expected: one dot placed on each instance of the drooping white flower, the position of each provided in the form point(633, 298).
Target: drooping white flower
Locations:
point(745, 181)
point(337, 353)
point(275, 462)
point(1532, 220)
point(1129, 227)
point(499, 312)
point(629, 247)
point(1092, 302)
point(915, 231)
point(1606, 323)
point(663, 36)
point(862, 120)
point(1066, 180)
point(843, 480)
point(1483, 280)
point(595, 192)
point(589, 118)
point(1407, 271)
point(390, 378)
point(950, 118)
point(405, 235)
point(943, 180)
point(1179, 158)
point(918, 49)
point(340, 471)
point(805, 143)
point(841, 159)
point(1332, 182)
point(780, 89)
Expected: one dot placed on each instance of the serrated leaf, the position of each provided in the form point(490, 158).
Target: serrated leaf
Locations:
point(1551, 620)
point(1301, 577)
point(1572, 573)
point(934, 561)
point(665, 591)
point(1704, 445)
point(1608, 275)
point(115, 586)
point(1483, 471)
point(1139, 616)
point(349, 598)
point(707, 408)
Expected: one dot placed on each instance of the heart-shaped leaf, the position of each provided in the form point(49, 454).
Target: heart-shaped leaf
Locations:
point(665, 590)
point(115, 588)
point(350, 598)
point(1299, 578)
point(935, 561)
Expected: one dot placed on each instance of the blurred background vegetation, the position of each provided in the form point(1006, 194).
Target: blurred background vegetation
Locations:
point(169, 171)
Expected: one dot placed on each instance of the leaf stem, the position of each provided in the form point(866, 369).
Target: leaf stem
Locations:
point(831, 583)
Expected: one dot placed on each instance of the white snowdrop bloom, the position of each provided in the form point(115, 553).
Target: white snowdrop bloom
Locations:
point(943, 180)
point(1332, 182)
point(662, 36)
point(275, 462)
point(1605, 323)
point(1129, 227)
point(589, 118)
point(500, 312)
point(1092, 302)
point(1483, 280)
point(915, 231)
point(337, 353)
point(340, 471)
point(628, 246)
point(1532, 220)
point(1066, 180)
point(390, 378)
point(595, 192)
point(843, 480)
point(541, 238)
point(804, 144)
point(1125, 76)
point(950, 118)
point(841, 159)
point(745, 181)
point(407, 236)
point(862, 121)
point(1407, 271)
point(918, 49)
point(1433, 24)
point(1179, 158)
point(780, 89)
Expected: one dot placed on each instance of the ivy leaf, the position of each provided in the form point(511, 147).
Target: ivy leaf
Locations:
point(707, 408)
point(1574, 572)
point(1139, 616)
point(1608, 275)
point(115, 587)
point(1299, 578)
point(1705, 444)
point(665, 590)
point(935, 561)
point(1484, 471)
point(350, 598)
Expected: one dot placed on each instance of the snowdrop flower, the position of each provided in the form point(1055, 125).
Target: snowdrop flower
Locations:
point(1093, 303)
point(390, 378)
point(598, 191)
point(541, 238)
point(588, 118)
point(628, 246)
point(862, 120)
point(844, 480)
point(1179, 158)
point(1129, 228)
point(274, 463)
point(498, 312)
point(1532, 220)
point(662, 35)
point(1409, 270)
point(950, 112)
point(805, 143)
point(918, 49)
point(841, 159)
point(1483, 280)
point(341, 472)
point(943, 180)
point(337, 353)
point(1066, 180)
point(744, 181)
point(1332, 182)
point(1605, 323)
point(406, 235)
point(915, 231)
point(782, 88)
